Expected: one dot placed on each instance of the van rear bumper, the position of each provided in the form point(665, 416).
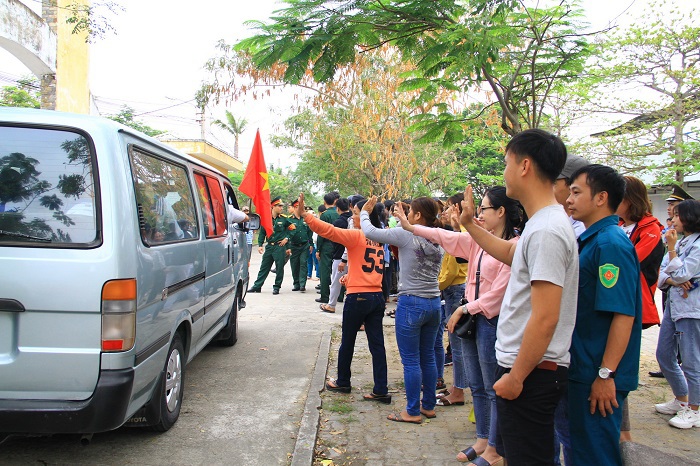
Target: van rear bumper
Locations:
point(105, 410)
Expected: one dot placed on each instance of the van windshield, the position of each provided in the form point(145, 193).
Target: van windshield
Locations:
point(47, 188)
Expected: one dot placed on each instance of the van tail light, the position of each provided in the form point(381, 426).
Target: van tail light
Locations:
point(118, 315)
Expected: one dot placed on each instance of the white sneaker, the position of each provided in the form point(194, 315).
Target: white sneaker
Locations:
point(685, 419)
point(670, 407)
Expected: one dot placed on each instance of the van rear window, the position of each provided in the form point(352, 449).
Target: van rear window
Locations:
point(47, 188)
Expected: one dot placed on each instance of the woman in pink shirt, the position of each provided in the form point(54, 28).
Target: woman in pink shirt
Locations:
point(503, 217)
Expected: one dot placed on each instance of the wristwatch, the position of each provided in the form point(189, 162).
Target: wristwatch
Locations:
point(605, 373)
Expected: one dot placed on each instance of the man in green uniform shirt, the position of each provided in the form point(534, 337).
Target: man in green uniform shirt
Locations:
point(326, 248)
point(301, 244)
point(276, 249)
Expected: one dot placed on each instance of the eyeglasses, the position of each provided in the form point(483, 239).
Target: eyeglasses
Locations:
point(481, 209)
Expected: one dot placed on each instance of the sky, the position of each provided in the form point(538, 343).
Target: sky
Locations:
point(154, 64)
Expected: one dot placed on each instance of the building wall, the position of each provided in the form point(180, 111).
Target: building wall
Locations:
point(659, 194)
point(207, 153)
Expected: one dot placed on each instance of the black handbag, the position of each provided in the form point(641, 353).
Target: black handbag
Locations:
point(466, 326)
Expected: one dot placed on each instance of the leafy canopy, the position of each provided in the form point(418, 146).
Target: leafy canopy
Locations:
point(126, 117)
point(516, 55)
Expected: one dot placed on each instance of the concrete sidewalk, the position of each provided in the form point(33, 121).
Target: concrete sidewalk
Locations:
point(354, 431)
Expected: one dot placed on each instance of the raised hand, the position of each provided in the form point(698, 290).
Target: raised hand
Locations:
point(300, 206)
point(400, 214)
point(369, 205)
point(468, 209)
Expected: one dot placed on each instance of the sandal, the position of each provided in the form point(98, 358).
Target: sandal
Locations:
point(327, 308)
point(470, 454)
point(396, 417)
point(333, 386)
point(445, 402)
point(386, 399)
point(427, 414)
point(440, 384)
point(442, 393)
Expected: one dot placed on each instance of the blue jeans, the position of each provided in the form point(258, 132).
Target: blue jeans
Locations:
point(417, 321)
point(439, 347)
point(453, 298)
point(367, 309)
point(481, 365)
point(312, 262)
point(682, 335)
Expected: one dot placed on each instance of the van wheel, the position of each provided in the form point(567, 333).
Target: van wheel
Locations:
point(172, 386)
point(229, 334)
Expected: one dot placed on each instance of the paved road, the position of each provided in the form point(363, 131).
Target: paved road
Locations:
point(243, 405)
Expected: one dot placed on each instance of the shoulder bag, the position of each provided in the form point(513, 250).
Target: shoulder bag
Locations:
point(466, 326)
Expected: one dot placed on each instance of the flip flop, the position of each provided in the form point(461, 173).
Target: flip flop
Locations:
point(445, 402)
point(396, 417)
point(333, 386)
point(327, 308)
point(429, 416)
point(386, 399)
point(470, 455)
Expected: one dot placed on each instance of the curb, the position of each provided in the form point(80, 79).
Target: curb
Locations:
point(308, 428)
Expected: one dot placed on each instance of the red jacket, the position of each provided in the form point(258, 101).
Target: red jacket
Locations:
point(647, 241)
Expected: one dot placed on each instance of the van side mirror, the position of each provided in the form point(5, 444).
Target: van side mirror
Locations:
point(253, 223)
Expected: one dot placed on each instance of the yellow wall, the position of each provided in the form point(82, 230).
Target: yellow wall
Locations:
point(72, 60)
point(207, 153)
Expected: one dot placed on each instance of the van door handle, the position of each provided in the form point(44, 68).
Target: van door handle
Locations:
point(11, 305)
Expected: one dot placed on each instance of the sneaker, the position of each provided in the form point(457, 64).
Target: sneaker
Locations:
point(448, 359)
point(670, 407)
point(686, 418)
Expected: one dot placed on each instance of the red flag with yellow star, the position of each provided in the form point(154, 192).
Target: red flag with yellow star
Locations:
point(255, 185)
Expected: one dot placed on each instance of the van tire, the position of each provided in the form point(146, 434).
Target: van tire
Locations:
point(171, 386)
point(229, 334)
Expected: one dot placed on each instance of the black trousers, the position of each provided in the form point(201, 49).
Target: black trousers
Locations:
point(526, 423)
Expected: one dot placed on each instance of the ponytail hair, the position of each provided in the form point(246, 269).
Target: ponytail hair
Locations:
point(429, 210)
point(515, 217)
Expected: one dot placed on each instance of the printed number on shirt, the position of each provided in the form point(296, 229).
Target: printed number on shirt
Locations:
point(374, 260)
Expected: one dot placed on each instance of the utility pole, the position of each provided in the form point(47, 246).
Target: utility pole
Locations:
point(202, 120)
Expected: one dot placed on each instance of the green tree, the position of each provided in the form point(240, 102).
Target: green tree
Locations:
point(24, 94)
point(649, 71)
point(521, 54)
point(93, 19)
point(233, 126)
point(126, 117)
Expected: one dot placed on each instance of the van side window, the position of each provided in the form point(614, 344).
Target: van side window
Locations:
point(164, 199)
point(48, 191)
point(212, 201)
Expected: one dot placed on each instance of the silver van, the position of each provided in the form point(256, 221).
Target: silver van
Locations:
point(117, 266)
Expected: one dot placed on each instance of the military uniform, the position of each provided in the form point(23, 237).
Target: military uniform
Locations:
point(274, 252)
point(608, 284)
point(300, 242)
point(325, 249)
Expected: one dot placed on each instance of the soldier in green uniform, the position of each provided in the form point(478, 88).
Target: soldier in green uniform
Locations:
point(301, 244)
point(326, 248)
point(276, 249)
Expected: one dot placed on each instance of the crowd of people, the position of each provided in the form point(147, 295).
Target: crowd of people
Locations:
point(557, 273)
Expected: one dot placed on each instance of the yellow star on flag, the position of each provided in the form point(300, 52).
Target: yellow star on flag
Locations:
point(266, 186)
